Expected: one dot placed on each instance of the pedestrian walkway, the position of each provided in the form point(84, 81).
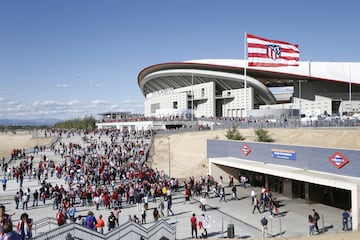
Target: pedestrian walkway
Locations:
point(292, 219)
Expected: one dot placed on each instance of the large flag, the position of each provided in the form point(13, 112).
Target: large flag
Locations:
point(264, 52)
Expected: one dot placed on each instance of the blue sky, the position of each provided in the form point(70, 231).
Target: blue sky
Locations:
point(71, 58)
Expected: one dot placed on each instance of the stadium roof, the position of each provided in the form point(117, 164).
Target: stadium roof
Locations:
point(229, 74)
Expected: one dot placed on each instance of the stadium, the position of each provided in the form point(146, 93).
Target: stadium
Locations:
point(216, 88)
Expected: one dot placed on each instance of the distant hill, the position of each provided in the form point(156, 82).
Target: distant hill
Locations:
point(30, 122)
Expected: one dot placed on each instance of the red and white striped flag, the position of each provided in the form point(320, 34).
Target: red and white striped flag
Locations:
point(264, 52)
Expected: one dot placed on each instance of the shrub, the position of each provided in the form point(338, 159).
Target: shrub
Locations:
point(263, 135)
point(234, 134)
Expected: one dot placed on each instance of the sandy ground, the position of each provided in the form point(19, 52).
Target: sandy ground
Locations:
point(19, 140)
point(190, 148)
point(188, 151)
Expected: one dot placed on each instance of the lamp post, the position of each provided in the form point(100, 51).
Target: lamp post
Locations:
point(169, 153)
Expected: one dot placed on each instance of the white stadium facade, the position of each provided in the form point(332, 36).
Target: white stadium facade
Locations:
point(226, 88)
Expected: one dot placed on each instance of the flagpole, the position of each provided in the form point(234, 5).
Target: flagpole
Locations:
point(245, 80)
point(350, 100)
point(192, 97)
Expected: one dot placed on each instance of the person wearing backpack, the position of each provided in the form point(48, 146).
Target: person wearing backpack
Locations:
point(90, 221)
point(264, 229)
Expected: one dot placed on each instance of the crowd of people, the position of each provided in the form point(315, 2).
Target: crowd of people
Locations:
point(108, 170)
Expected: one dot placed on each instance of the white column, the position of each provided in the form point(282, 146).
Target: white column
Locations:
point(355, 203)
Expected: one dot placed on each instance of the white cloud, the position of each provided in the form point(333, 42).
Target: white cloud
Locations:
point(73, 103)
point(94, 83)
point(65, 109)
point(99, 102)
point(63, 85)
point(127, 101)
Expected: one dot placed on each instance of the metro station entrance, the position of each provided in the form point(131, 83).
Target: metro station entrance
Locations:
point(294, 189)
point(276, 184)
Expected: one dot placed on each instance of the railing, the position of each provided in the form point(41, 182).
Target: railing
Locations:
point(290, 123)
point(129, 230)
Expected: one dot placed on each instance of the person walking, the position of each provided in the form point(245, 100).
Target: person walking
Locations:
point(234, 194)
point(90, 221)
point(17, 200)
point(264, 228)
point(100, 224)
point(203, 203)
point(143, 216)
point(60, 218)
point(169, 206)
point(193, 222)
point(35, 198)
point(111, 221)
point(4, 181)
point(187, 195)
point(222, 194)
point(205, 222)
point(161, 208)
point(252, 195)
point(311, 224)
point(316, 218)
point(24, 200)
point(256, 205)
point(72, 212)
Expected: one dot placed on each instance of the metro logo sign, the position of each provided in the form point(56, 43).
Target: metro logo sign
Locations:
point(338, 160)
point(245, 150)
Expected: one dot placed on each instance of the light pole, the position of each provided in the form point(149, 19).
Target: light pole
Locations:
point(169, 153)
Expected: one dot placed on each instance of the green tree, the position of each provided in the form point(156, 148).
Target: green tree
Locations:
point(263, 135)
point(87, 123)
point(234, 134)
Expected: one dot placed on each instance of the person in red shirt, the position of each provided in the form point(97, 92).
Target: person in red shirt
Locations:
point(187, 195)
point(60, 217)
point(193, 222)
point(106, 199)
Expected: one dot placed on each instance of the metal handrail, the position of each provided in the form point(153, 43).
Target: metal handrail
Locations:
point(76, 231)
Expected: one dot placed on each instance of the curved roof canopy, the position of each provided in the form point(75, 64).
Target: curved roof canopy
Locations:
point(229, 74)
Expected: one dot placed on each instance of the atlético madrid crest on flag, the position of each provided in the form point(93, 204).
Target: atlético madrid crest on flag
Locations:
point(338, 160)
point(274, 51)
